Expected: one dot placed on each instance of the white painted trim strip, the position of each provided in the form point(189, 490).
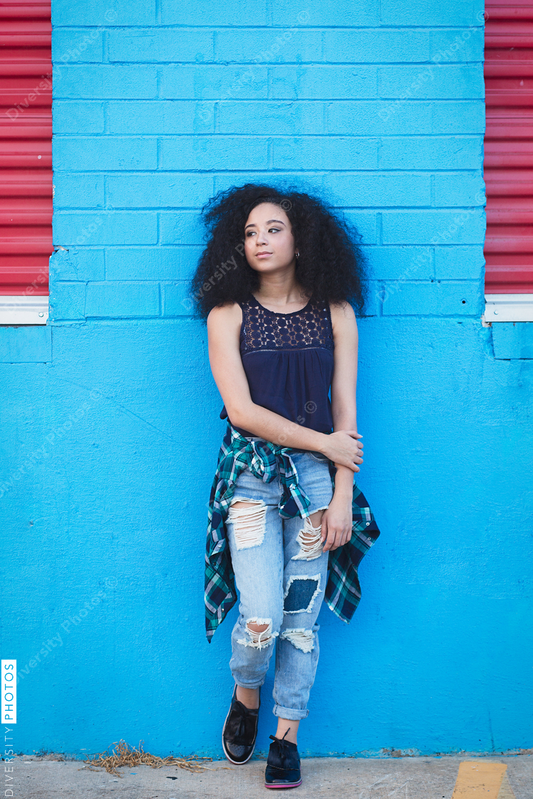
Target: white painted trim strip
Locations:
point(15, 310)
point(508, 308)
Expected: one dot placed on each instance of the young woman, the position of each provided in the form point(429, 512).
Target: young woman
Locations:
point(276, 282)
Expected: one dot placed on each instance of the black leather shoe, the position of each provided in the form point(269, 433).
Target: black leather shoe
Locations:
point(239, 732)
point(283, 764)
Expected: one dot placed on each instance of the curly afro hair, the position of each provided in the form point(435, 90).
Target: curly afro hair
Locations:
point(330, 266)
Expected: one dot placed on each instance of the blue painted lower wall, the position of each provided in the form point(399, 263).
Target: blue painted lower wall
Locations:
point(108, 450)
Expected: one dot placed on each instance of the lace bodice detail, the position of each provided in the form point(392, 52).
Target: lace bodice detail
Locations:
point(267, 330)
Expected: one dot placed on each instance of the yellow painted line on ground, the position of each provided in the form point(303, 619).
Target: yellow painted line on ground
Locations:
point(478, 780)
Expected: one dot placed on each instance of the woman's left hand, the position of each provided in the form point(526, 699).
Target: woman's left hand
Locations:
point(337, 523)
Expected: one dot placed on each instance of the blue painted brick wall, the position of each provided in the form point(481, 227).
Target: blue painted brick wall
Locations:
point(379, 105)
point(377, 110)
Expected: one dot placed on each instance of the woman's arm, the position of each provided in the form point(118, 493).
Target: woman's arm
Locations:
point(223, 327)
point(337, 520)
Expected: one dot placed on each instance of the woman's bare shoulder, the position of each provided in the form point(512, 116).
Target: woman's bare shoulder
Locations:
point(341, 313)
point(226, 315)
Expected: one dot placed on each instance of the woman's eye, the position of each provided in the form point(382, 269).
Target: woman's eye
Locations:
point(270, 230)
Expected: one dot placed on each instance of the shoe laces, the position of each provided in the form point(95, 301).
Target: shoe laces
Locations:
point(282, 744)
point(246, 725)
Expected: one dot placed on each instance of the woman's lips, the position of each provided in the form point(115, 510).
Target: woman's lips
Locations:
point(263, 254)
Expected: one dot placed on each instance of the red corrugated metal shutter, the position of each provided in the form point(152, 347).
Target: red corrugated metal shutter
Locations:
point(508, 163)
point(25, 147)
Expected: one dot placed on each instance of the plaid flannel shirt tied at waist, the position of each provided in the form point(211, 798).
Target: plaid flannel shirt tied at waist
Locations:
point(267, 461)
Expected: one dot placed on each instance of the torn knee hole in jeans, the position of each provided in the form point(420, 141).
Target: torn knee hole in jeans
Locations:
point(310, 541)
point(300, 638)
point(258, 638)
point(248, 519)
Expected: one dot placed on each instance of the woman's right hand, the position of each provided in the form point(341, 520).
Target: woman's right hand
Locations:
point(344, 448)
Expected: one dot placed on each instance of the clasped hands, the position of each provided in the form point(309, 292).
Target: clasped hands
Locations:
point(344, 448)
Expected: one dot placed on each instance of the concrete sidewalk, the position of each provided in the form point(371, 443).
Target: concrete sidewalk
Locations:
point(342, 778)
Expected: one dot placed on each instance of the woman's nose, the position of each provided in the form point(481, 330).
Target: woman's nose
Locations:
point(262, 237)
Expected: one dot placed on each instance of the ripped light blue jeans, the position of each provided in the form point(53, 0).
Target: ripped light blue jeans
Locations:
point(281, 574)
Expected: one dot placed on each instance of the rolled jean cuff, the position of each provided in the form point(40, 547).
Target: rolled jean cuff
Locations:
point(253, 687)
point(290, 713)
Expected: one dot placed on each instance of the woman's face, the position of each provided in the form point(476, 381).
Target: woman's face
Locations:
point(268, 239)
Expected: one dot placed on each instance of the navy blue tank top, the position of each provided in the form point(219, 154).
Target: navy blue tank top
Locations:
point(288, 360)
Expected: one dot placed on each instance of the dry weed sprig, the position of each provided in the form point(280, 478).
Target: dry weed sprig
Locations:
point(124, 755)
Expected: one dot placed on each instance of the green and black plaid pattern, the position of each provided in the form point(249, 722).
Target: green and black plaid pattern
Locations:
point(267, 461)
